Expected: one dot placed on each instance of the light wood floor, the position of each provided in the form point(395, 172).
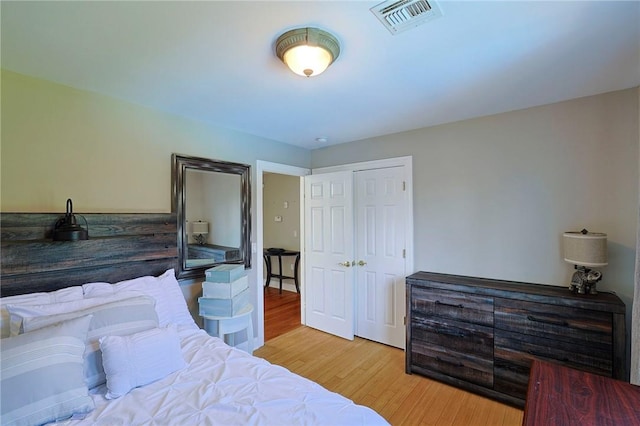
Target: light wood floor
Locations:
point(373, 374)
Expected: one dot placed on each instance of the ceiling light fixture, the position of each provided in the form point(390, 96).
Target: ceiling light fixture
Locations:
point(307, 51)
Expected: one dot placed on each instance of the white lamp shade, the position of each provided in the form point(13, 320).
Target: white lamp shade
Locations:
point(585, 249)
point(307, 60)
point(200, 227)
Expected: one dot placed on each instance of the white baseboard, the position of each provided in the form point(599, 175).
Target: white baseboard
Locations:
point(275, 283)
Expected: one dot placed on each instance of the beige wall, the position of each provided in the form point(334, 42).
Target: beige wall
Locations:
point(493, 195)
point(277, 190)
point(106, 154)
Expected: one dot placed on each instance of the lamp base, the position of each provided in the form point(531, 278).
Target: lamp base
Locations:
point(200, 239)
point(584, 280)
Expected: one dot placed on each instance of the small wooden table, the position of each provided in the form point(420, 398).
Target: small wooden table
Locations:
point(561, 396)
point(267, 259)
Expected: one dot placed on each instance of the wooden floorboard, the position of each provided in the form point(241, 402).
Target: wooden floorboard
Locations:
point(372, 374)
point(281, 312)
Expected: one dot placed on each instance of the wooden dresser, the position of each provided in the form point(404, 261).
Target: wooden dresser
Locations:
point(481, 335)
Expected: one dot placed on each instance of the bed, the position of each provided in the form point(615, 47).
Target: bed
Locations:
point(80, 348)
point(197, 379)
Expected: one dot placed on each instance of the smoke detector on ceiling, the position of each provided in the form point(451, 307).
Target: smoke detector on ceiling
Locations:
point(400, 15)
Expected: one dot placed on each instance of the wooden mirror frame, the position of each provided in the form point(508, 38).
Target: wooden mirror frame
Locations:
point(180, 163)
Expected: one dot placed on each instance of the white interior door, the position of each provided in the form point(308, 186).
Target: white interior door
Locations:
point(380, 203)
point(329, 252)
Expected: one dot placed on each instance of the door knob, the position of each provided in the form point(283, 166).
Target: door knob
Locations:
point(345, 264)
point(361, 263)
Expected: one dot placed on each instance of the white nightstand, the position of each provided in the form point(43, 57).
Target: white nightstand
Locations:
point(226, 326)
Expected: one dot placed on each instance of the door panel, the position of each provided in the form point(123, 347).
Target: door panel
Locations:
point(338, 308)
point(380, 202)
point(316, 292)
point(329, 252)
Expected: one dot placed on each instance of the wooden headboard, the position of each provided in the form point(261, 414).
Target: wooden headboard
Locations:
point(120, 246)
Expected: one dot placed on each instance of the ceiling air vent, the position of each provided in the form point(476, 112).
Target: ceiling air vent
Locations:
point(401, 15)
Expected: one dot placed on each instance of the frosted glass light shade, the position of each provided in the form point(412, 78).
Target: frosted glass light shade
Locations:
point(307, 60)
point(307, 51)
point(585, 248)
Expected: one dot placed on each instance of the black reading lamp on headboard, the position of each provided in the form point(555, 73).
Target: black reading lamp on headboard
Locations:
point(67, 229)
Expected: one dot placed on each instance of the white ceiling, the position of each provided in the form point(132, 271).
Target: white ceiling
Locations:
point(214, 60)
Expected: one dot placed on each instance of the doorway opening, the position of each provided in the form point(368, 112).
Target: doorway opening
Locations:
point(265, 168)
point(390, 313)
point(281, 260)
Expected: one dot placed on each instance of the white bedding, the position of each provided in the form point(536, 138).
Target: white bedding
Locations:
point(219, 385)
point(224, 386)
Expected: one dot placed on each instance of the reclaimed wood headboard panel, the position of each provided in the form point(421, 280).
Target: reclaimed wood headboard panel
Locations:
point(120, 247)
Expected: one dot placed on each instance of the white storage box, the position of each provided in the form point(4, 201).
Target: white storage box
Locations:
point(225, 290)
point(225, 273)
point(223, 307)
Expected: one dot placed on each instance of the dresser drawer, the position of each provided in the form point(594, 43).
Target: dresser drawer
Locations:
point(511, 371)
point(439, 359)
point(595, 358)
point(513, 357)
point(456, 336)
point(453, 305)
point(564, 323)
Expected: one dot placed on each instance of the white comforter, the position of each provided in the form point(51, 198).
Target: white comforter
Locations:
point(225, 386)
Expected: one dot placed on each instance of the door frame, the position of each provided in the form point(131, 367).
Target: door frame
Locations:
point(283, 169)
point(407, 163)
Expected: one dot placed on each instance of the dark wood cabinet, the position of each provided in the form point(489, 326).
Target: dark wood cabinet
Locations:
point(482, 335)
point(593, 400)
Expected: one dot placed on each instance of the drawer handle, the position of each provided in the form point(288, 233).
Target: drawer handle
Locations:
point(455, 364)
point(461, 306)
point(547, 321)
point(450, 333)
point(541, 355)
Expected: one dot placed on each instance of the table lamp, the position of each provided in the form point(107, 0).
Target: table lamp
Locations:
point(585, 250)
point(200, 230)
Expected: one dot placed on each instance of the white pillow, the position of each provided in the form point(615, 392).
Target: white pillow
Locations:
point(62, 295)
point(140, 284)
point(121, 317)
point(41, 377)
point(139, 359)
point(169, 288)
point(17, 312)
point(171, 305)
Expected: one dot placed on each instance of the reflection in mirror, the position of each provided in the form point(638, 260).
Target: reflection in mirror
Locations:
point(212, 221)
point(211, 199)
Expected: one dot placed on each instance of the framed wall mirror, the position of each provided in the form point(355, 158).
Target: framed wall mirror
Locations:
point(212, 202)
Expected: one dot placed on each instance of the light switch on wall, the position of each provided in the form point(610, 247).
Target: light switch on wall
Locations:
point(285, 204)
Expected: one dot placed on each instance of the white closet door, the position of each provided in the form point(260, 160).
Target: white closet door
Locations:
point(380, 203)
point(329, 252)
